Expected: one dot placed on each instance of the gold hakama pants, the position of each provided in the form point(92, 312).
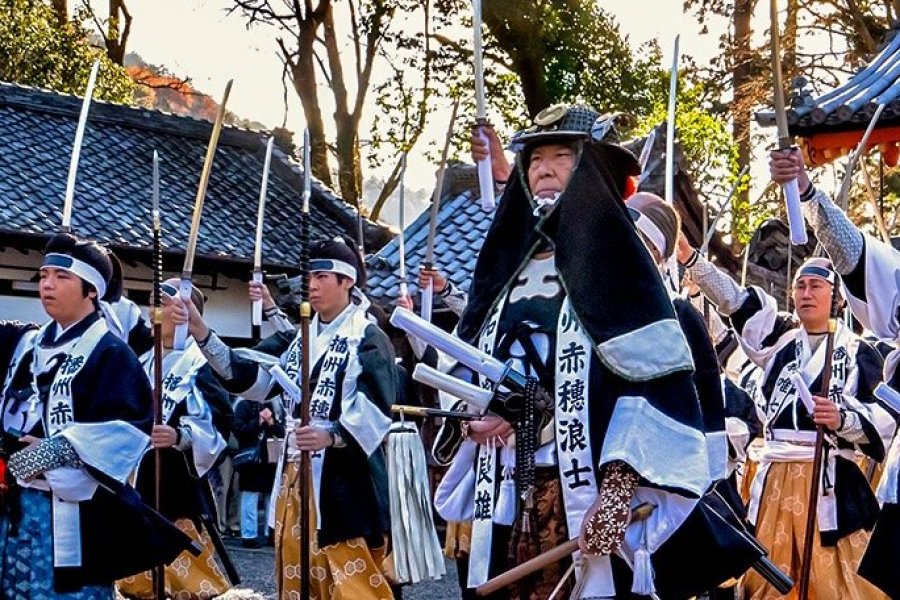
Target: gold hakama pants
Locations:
point(458, 540)
point(347, 570)
point(188, 577)
point(781, 526)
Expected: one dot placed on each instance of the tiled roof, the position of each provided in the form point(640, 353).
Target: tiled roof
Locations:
point(852, 105)
point(112, 194)
point(462, 227)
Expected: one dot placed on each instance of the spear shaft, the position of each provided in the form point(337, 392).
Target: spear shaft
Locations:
point(159, 572)
point(305, 316)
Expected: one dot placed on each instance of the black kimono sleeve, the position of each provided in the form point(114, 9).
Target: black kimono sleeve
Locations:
point(245, 372)
point(218, 400)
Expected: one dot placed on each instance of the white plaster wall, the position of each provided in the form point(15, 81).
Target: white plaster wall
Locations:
point(227, 307)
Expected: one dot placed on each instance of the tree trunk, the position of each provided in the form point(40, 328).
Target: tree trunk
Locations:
point(741, 105)
point(347, 139)
point(519, 36)
point(61, 8)
point(303, 77)
point(117, 36)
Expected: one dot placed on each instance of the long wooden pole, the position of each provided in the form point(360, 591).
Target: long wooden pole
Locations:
point(639, 513)
point(813, 502)
point(305, 316)
point(159, 572)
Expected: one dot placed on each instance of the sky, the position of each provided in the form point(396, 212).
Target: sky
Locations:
point(197, 39)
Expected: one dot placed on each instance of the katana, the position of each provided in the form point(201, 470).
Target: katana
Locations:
point(485, 176)
point(159, 572)
point(704, 248)
point(818, 452)
point(421, 411)
point(428, 291)
point(670, 126)
point(785, 142)
point(305, 316)
point(184, 290)
point(76, 148)
point(507, 404)
point(257, 254)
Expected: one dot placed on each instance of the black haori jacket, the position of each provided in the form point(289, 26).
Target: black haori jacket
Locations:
point(619, 297)
point(644, 406)
point(354, 500)
point(111, 386)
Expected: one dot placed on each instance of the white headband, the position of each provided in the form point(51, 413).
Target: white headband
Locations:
point(78, 267)
point(649, 229)
point(814, 270)
point(330, 265)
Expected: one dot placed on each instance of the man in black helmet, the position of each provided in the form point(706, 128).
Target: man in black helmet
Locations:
point(565, 288)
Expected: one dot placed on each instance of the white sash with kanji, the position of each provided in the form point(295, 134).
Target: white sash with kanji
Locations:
point(58, 415)
point(180, 369)
point(572, 422)
point(485, 475)
point(179, 375)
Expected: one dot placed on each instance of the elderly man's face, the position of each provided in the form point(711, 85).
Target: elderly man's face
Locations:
point(550, 169)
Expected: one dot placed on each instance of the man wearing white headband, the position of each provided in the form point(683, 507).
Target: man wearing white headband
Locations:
point(354, 384)
point(790, 407)
point(76, 406)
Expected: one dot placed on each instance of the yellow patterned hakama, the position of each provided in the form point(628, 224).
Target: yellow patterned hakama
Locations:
point(347, 570)
point(188, 577)
point(781, 526)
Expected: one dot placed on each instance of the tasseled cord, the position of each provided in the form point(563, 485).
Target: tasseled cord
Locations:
point(417, 552)
point(642, 581)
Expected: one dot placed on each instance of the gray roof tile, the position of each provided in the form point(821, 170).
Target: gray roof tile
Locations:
point(112, 197)
point(462, 227)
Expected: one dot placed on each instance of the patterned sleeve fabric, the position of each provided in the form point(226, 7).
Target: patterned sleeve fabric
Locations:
point(718, 286)
point(837, 234)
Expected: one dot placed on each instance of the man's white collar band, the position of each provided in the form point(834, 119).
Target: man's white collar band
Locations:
point(329, 265)
point(78, 267)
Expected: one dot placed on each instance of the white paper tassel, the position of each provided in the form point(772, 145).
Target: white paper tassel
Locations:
point(642, 582)
point(417, 552)
point(505, 509)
